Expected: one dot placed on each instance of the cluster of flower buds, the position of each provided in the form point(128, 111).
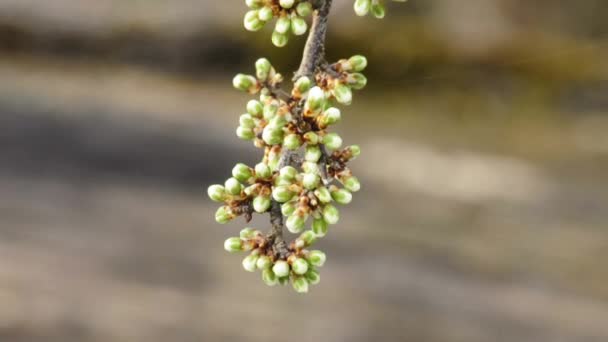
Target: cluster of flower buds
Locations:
point(376, 7)
point(290, 16)
point(299, 268)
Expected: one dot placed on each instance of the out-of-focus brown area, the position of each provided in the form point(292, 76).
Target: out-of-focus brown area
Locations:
point(484, 210)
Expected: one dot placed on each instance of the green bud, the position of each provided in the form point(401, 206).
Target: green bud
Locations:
point(233, 186)
point(249, 263)
point(247, 233)
point(292, 141)
point(281, 268)
point(351, 183)
point(244, 82)
point(300, 284)
point(298, 26)
point(313, 276)
point(262, 171)
point(282, 194)
point(254, 4)
point(355, 150)
point(311, 138)
point(303, 84)
point(270, 110)
point(263, 262)
point(272, 136)
point(262, 69)
point(255, 108)
point(306, 239)
point(287, 209)
point(357, 63)
point(286, 3)
point(283, 281)
point(332, 141)
point(252, 22)
point(315, 100)
point(313, 153)
point(269, 278)
point(245, 133)
point(310, 167)
point(316, 258)
point(357, 81)
point(265, 13)
point(362, 7)
point(343, 94)
point(378, 9)
point(278, 121)
point(223, 215)
point(288, 172)
point(319, 227)
point(246, 121)
point(261, 204)
point(331, 214)
point(217, 193)
point(304, 9)
point(323, 194)
point(233, 244)
point(299, 266)
point(331, 116)
point(341, 196)
point(310, 180)
point(295, 223)
point(279, 39)
point(242, 172)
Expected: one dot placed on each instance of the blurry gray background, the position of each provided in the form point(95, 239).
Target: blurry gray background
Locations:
point(484, 210)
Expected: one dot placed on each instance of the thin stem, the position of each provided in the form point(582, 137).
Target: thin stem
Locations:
point(314, 53)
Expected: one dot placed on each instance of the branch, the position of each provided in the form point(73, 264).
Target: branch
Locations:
point(314, 52)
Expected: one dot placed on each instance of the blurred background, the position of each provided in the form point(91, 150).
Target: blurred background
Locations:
point(484, 210)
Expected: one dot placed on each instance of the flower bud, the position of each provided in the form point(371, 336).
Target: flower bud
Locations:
point(323, 194)
point(245, 133)
point(331, 214)
point(300, 284)
point(357, 81)
point(303, 84)
point(357, 63)
point(295, 223)
point(247, 233)
point(270, 110)
point(269, 278)
point(288, 172)
point(292, 141)
point(255, 108)
point(223, 215)
point(310, 167)
point(354, 151)
point(310, 180)
point(299, 266)
point(311, 138)
point(252, 22)
point(281, 268)
point(362, 7)
point(242, 172)
point(282, 194)
point(261, 204)
point(249, 263)
point(265, 13)
point(279, 39)
point(272, 136)
point(351, 183)
point(233, 244)
point(262, 69)
point(244, 82)
point(316, 258)
point(286, 3)
point(341, 196)
point(306, 239)
point(287, 209)
point(233, 186)
point(319, 227)
point(330, 116)
point(262, 171)
point(217, 193)
point(332, 141)
point(315, 100)
point(313, 276)
point(378, 9)
point(254, 4)
point(246, 121)
point(278, 121)
point(312, 154)
point(298, 26)
point(343, 94)
point(263, 262)
point(304, 9)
